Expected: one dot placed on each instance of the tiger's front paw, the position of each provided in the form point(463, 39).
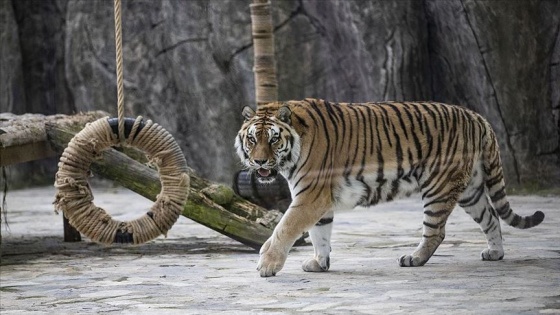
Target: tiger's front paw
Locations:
point(317, 264)
point(492, 254)
point(410, 261)
point(271, 261)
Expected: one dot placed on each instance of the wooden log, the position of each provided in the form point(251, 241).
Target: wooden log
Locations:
point(70, 233)
point(210, 204)
point(266, 83)
point(23, 137)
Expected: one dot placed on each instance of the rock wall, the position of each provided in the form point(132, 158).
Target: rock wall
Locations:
point(12, 96)
point(494, 57)
point(188, 65)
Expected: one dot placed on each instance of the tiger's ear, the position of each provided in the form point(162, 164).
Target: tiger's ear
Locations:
point(248, 112)
point(284, 114)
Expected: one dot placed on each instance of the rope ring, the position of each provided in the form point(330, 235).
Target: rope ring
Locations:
point(74, 196)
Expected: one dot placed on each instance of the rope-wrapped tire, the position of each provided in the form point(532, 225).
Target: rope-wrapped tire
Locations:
point(74, 197)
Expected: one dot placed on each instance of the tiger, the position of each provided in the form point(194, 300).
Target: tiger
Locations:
point(342, 155)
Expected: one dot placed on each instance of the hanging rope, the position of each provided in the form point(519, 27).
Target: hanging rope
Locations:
point(74, 197)
point(119, 63)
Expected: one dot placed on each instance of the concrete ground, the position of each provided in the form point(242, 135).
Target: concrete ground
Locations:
point(198, 271)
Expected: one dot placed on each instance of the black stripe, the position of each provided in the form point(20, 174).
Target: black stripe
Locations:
point(380, 176)
point(419, 117)
point(433, 226)
point(415, 139)
point(493, 212)
point(394, 190)
point(317, 179)
point(365, 144)
point(503, 209)
point(331, 150)
point(399, 116)
point(434, 167)
point(436, 214)
point(479, 219)
point(324, 221)
point(357, 146)
point(472, 200)
point(301, 165)
point(292, 170)
point(443, 183)
point(342, 117)
point(494, 180)
point(385, 123)
point(499, 195)
point(370, 135)
point(516, 220)
point(365, 130)
point(492, 226)
point(301, 121)
point(434, 201)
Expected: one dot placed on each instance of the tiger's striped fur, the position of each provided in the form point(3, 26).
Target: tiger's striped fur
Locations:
point(338, 156)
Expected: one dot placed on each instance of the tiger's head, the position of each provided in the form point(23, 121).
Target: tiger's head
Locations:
point(267, 142)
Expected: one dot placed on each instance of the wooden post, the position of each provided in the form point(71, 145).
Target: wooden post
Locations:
point(70, 233)
point(266, 85)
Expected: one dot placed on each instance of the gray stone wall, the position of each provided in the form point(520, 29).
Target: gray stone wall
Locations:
point(12, 94)
point(188, 65)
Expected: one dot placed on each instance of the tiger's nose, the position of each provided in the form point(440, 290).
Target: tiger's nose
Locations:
point(260, 162)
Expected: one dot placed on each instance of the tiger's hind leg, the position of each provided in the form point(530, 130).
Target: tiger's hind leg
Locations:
point(439, 201)
point(475, 202)
point(321, 238)
point(433, 233)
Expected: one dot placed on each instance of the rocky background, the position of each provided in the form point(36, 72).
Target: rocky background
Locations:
point(188, 66)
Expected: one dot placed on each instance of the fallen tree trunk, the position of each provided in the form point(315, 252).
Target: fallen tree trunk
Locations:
point(213, 205)
point(23, 137)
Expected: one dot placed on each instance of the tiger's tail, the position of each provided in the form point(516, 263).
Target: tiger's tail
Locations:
point(496, 186)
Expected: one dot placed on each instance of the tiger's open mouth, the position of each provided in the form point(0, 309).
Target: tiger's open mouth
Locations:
point(266, 173)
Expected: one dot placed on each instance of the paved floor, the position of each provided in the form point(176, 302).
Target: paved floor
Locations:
point(197, 271)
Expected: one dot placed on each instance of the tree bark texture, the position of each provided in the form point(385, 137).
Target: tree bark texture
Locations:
point(23, 137)
point(188, 65)
point(264, 55)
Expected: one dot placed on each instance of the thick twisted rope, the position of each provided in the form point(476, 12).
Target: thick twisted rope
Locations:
point(75, 199)
point(119, 63)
